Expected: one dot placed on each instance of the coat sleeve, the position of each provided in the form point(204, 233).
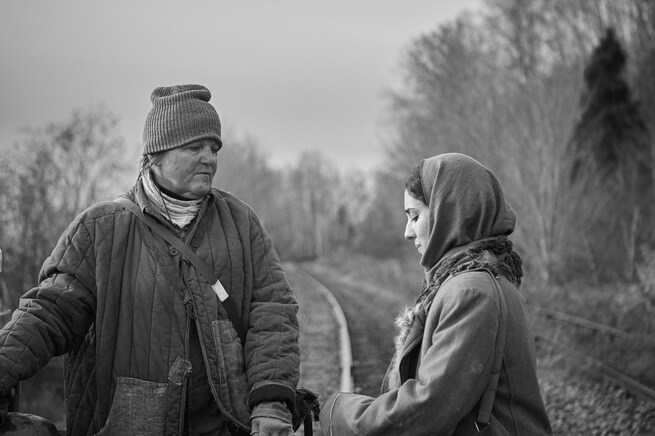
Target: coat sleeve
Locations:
point(272, 351)
point(452, 376)
point(55, 316)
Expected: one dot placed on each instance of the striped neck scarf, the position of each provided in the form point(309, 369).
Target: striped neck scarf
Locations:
point(179, 212)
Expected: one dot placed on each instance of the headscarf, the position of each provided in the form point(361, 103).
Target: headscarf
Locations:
point(465, 203)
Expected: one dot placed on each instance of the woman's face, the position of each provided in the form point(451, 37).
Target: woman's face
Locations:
point(416, 229)
point(188, 171)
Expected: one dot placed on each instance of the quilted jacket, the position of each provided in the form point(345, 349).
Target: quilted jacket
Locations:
point(120, 301)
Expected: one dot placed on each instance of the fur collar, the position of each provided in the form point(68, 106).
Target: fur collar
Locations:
point(475, 256)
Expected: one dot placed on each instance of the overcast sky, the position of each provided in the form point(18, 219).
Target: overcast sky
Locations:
point(295, 75)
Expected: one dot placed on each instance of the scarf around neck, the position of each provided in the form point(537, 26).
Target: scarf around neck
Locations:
point(179, 212)
point(473, 257)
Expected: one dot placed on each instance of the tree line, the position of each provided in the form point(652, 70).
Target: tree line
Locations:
point(556, 97)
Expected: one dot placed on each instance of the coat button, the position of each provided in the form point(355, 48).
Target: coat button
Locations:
point(173, 251)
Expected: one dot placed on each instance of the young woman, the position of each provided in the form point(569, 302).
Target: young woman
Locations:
point(468, 332)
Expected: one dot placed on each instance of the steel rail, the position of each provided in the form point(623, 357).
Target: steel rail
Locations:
point(345, 347)
point(549, 313)
point(628, 383)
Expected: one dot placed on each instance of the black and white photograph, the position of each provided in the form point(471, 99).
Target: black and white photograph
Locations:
point(337, 218)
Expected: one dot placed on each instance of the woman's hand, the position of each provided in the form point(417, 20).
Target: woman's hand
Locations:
point(271, 418)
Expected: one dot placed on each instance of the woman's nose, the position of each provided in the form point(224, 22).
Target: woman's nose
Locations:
point(409, 231)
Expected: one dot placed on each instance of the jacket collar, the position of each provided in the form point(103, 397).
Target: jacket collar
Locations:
point(415, 334)
point(138, 195)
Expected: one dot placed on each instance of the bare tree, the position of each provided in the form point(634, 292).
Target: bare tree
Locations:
point(51, 176)
point(243, 170)
point(381, 233)
point(352, 199)
point(505, 89)
point(312, 184)
point(450, 76)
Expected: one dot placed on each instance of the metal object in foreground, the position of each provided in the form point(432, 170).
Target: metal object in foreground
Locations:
point(25, 424)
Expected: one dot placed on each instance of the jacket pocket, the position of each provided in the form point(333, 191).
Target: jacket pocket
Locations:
point(231, 369)
point(137, 409)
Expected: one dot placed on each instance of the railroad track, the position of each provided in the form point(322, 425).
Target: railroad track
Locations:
point(325, 350)
point(369, 317)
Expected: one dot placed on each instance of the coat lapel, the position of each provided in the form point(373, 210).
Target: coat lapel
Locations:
point(411, 349)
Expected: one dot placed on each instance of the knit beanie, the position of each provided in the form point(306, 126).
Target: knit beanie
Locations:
point(180, 114)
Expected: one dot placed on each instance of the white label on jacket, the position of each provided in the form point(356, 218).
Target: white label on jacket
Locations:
point(220, 290)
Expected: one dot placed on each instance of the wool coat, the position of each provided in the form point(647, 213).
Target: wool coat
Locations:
point(445, 364)
point(120, 301)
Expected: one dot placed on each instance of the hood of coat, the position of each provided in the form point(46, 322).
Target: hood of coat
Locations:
point(466, 204)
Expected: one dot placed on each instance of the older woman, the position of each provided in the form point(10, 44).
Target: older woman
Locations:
point(468, 332)
point(170, 301)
